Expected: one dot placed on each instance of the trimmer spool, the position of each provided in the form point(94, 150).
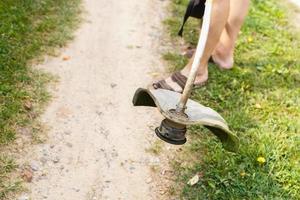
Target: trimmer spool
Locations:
point(171, 132)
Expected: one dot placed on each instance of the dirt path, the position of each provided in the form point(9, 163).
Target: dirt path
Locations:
point(97, 140)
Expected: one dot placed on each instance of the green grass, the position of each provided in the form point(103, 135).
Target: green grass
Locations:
point(28, 29)
point(7, 166)
point(260, 99)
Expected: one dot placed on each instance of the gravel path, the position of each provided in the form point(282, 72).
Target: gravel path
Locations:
point(97, 139)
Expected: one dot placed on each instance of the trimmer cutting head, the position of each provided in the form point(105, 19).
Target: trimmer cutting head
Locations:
point(171, 132)
point(173, 128)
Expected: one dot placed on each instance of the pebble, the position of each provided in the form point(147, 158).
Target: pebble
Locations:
point(99, 113)
point(45, 152)
point(68, 132)
point(114, 154)
point(34, 166)
point(55, 159)
point(43, 160)
point(113, 85)
point(149, 180)
point(69, 145)
point(24, 197)
point(162, 192)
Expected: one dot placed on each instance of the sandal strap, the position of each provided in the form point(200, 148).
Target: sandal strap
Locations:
point(180, 79)
point(162, 84)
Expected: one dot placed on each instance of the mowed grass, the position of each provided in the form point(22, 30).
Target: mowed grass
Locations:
point(28, 29)
point(260, 99)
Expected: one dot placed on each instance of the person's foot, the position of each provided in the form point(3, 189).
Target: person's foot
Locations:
point(223, 57)
point(176, 82)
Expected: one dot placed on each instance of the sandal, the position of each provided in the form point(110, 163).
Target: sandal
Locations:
point(178, 78)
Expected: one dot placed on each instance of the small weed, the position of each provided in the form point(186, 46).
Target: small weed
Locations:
point(154, 168)
point(7, 165)
point(155, 148)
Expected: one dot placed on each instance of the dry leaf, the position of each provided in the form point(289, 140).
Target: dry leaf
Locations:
point(28, 105)
point(65, 58)
point(27, 175)
point(193, 181)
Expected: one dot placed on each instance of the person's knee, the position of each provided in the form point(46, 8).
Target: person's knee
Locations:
point(236, 20)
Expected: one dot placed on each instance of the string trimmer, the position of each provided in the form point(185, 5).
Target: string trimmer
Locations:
point(180, 111)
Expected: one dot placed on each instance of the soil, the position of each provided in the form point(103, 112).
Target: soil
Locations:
point(97, 141)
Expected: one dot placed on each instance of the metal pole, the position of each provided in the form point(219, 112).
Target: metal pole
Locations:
point(181, 106)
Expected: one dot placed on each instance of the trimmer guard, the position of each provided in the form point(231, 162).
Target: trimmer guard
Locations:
point(198, 114)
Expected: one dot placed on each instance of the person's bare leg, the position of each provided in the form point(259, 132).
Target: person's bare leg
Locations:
point(220, 12)
point(223, 54)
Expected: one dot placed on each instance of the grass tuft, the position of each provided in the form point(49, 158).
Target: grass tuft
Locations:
point(259, 98)
point(7, 166)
